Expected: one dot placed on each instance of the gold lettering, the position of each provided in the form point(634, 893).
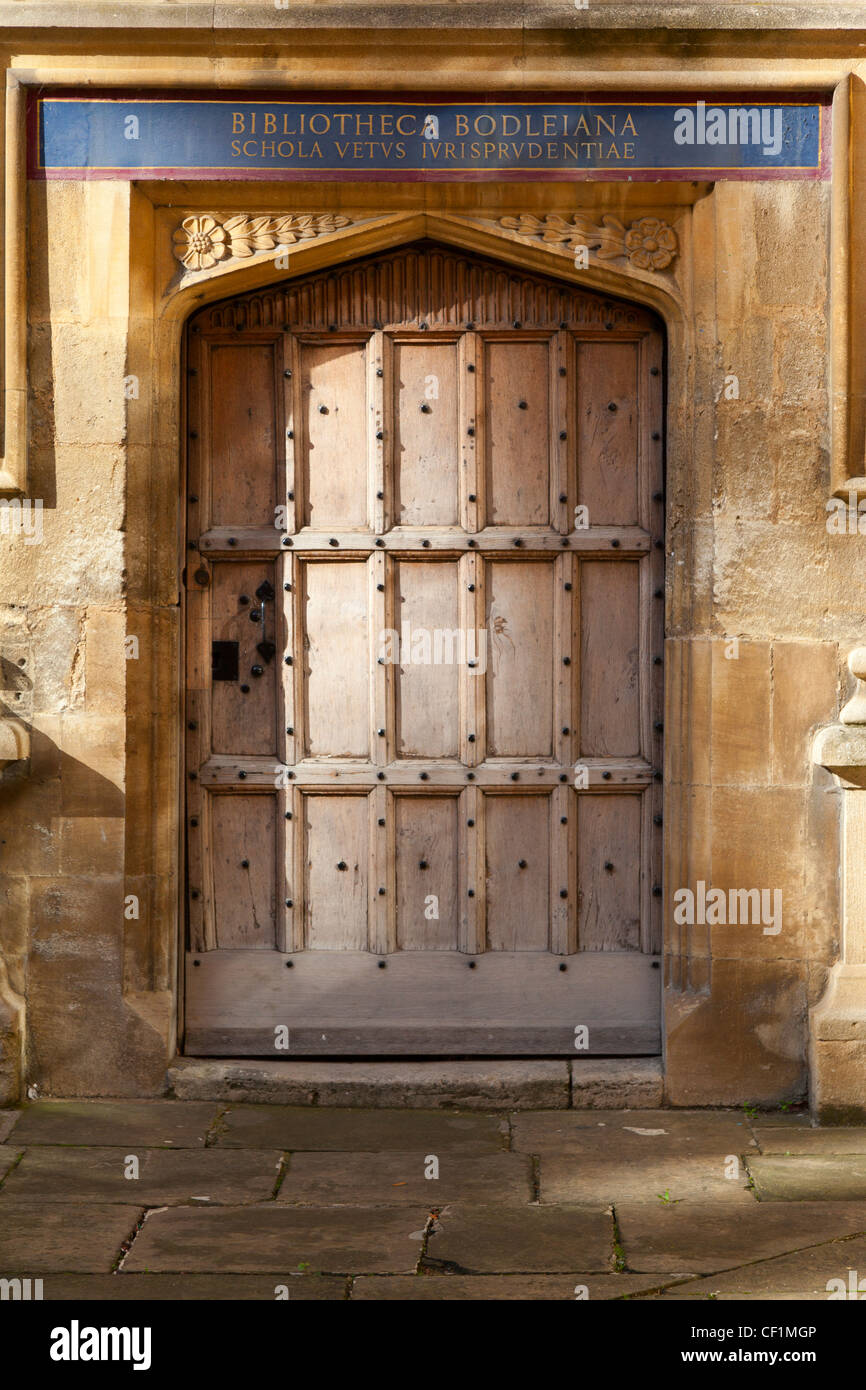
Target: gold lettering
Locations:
point(600, 121)
point(461, 124)
point(628, 124)
point(320, 116)
point(270, 123)
point(400, 130)
point(236, 117)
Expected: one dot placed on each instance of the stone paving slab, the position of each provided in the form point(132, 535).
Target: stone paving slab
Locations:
point(357, 1131)
point(798, 1140)
point(8, 1159)
point(688, 1238)
point(391, 1179)
point(624, 1132)
point(247, 1240)
point(803, 1275)
point(810, 1178)
point(490, 1240)
point(594, 1179)
point(786, 1119)
point(166, 1176)
point(8, 1121)
point(182, 1288)
point(500, 1287)
point(41, 1238)
point(153, 1123)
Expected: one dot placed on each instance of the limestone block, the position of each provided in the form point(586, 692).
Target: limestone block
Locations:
point(804, 688)
point(740, 713)
point(106, 663)
point(790, 227)
point(744, 1042)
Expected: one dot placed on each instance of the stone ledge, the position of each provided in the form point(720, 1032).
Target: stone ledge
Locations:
point(534, 1084)
point(264, 16)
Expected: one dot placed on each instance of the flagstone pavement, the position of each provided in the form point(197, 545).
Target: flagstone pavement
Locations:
point(172, 1199)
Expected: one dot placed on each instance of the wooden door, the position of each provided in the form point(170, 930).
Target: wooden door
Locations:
point(424, 597)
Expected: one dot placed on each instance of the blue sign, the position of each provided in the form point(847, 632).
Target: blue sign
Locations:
point(117, 137)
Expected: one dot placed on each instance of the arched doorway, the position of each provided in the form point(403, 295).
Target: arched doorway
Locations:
point(424, 636)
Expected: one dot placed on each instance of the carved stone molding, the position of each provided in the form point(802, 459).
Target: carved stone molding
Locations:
point(647, 243)
point(203, 241)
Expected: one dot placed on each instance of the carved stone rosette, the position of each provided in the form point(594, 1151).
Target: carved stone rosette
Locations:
point(647, 244)
point(202, 242)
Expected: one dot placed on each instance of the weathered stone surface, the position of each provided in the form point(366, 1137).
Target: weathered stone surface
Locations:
point(41, 1237)
point(814, 1273)
point(810, 1178)
point(200, 1288)
point(8, 1121)
point(482, 1240)
point(802, 1139)
point(393, 1179)
point(600, 1174)
point(245, 1240)
point(472, 1085)
point(166, 1176)
point(701, 1239)
point(606, 1083)
point(489, 1288)
point(285, 1127)
point(8, 1159)
point(154, 1124)
point(667, 1133)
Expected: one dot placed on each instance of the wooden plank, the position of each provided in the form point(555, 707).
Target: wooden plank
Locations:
point(336, 843)
point(243, 830)
point(242, 432)
point(609, 857)
point(516, 385)
point(602, 773)
point(244, 711)
point(425, 406)
point(610, 710)
point(342, 1004)
point(333, 422)
point(520, 702)
point(516, 831)
point(336, 648)
point(503, 540)
point(607, 394)
point(429, 659)
point(426, 862)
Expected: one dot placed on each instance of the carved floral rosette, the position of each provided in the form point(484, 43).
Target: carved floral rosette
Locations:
point(647, 244)
point(201, 242)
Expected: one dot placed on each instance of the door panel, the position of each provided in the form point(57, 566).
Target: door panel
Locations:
point(520, 677)
point(426, 856)
point(424, 707)
point(334, 418)
point(516, 832)
point(427, 674)
point(336, 641)
point(426, 423)
point(517, 428)
point(243, 831)
point(336, 841)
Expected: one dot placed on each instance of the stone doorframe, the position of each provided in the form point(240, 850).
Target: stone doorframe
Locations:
point(250, 251)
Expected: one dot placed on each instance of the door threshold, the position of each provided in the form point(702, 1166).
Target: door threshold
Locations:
point(537, 1083)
